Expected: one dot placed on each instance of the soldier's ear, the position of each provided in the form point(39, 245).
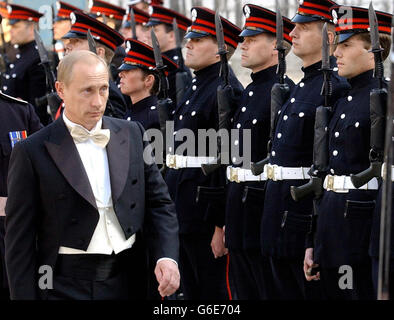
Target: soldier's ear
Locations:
point(101, 52)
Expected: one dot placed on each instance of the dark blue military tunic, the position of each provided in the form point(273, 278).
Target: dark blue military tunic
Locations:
point(344, 219)
point(286, 223)
point(254, 112)
point(25, 78)
point(145, 112)
point(197, 111)
point(15, 118)
point(174, 55)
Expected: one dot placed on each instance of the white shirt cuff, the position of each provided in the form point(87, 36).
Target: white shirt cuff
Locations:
point(167, 259)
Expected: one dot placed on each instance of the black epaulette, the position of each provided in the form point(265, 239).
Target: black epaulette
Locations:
point(12, 99)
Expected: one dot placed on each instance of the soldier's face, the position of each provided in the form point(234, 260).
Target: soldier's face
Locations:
point(22, 32)
point(307, 40)
point(60, 28)
point(85, 96)
point(201, 53)
point(166, 39)
point(353, 58)
point(75, 45)
point(258, 52)
point(143, 33)
point(132, 82)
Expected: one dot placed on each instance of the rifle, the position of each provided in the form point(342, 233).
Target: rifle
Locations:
point(320, 164)
point(386, 211)
point(52, 100)
point(225, 97)
point(164, 104)
point(378, 109)
point(279, 92)
point(181, 77)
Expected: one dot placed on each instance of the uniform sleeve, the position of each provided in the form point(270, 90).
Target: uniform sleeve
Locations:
point(34, 120)
point(21, 221)
point(36, 88)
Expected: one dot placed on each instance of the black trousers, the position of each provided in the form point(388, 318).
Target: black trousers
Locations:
point(251, 275)
point(202, 276)
point(99, 277)
point(4, 291)
point(289, 280)
point(360, 287)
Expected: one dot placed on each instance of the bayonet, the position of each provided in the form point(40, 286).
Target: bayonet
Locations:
point(91, 42)
point(375, 43)
point(326, 90)
point(160, 65)
point(45, 61)
point(281, 70)
point(133, 24)
point(222, 48)
point(177, 34)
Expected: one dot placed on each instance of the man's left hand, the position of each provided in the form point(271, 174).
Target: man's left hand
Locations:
point(167, 275)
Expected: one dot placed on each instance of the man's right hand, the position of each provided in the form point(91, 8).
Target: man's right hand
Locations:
point(308, 265)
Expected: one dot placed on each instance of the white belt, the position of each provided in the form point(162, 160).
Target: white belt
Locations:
point(3, 200)
point(241, 175)
point(342, 184)
point(175, 161)
point(384, 171)
point(274, 172)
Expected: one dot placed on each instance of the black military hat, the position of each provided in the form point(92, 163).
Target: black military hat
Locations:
point(141, 17)
point(17, 13)
point(204, 25)
point(352, 20)
point(313, 10)
point(104, 8)
point(134, 2)
point(81, 23)
point(160, 14)
point(259, 20)
point(63, 10)
point(140, 55)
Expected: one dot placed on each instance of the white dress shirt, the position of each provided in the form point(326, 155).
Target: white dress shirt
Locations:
point(108, 236)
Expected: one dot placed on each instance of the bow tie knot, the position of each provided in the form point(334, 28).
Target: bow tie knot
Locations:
point(99, 137)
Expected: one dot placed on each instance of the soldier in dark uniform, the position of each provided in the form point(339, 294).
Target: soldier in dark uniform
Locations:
point(245, 192)
point(202, 251)
point(140, 81)
point(162, 22)
point(142, 30)
point(107, 41)
point(112, 16)
point(286, 223)
point(25, 78)
point(18, 120)
point(61, 25)
point(344, 212)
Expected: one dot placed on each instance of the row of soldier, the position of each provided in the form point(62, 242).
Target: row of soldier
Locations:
point(245, 232)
